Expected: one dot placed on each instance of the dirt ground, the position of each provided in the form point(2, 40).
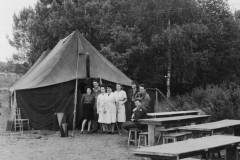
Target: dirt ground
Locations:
point(48, 145)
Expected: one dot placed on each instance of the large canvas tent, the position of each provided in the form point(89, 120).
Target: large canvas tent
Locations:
point(48, 87)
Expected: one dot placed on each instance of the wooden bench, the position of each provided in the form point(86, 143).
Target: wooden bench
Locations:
point(214, 127)
point(193, 147)
point(175, 136)
point(133, 138)
point(170, 121)
point(164, 131)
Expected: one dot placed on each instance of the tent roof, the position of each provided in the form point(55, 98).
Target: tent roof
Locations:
point(60, 65)
point(18, 83)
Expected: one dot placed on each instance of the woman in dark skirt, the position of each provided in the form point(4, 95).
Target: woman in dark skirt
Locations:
point(87, 102)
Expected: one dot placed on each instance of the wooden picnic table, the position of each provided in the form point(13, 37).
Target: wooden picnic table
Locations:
point(175, 113)
point(214, 127)
point(170, 121)
point(193, 147)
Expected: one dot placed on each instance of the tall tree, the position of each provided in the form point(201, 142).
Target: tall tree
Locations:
point(198, 48)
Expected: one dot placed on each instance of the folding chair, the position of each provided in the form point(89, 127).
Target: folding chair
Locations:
point(19, 122)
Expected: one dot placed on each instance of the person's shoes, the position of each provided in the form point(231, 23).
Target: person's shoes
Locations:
point(112, 133)
point(89, 132)
point(94, 131)
point(102, 132)
point(109, 132)
point(81, 132)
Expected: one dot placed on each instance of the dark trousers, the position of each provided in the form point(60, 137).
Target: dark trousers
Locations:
point(95, 121)
point(129, 124)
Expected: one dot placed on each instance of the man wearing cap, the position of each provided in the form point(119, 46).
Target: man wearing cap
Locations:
point(131, 97)
point(96, 92)
point(138, 113)
point(144, 96)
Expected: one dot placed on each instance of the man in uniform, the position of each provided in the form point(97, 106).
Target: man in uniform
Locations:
point(144, 96)
point(96, 92)
point(138, 113)
point(131, 97)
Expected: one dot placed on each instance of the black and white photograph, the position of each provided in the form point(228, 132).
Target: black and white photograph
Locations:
point(119, 79)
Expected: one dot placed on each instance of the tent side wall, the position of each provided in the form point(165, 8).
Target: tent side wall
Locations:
point(40, 105)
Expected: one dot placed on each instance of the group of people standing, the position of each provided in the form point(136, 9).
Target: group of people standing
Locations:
point(101, 105)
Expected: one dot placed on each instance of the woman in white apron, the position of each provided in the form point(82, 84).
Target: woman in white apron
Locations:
point(112, 108)
point(101, 108)
point(122, 99)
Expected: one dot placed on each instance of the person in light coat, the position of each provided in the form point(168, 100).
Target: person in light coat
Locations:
point(122, 99)
point(102, 108)
point(112, 103)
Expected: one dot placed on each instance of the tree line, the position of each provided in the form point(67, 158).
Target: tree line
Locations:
point(187, 43)
point(13, 67)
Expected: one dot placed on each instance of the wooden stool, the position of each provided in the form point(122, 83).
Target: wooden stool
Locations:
point(175, 136)
point(165, 131)
point(135, 132)
point(142, 136)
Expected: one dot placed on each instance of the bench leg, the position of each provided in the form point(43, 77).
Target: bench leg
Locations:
point(151, 135)
point(129, 136)
point(231, 154)
point(136, 139)
point(164, 140)
point(139, 141)
point(219, 154)
point(159, 138)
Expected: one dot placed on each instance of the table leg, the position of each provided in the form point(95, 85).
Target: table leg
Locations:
point(151, 135)
point(231, 154)
point(237, 132)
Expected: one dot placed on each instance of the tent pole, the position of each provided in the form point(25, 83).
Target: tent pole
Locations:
point(75, 97)
point(14, 103)
point(75, 100)
point(13, 110)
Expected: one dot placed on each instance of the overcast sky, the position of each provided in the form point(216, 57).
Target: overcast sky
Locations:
point(9, 7)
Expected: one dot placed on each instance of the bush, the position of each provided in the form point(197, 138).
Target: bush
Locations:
point(222, 102)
